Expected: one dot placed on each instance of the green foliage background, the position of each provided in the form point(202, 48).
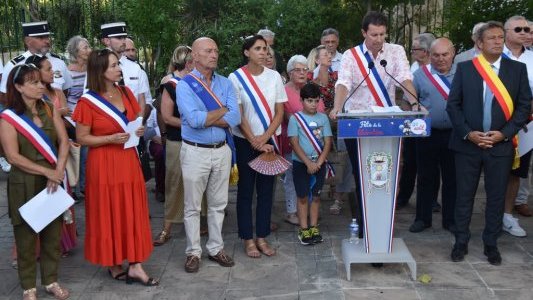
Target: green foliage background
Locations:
point(158, 26)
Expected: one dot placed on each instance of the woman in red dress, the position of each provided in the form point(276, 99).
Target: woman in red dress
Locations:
point(117, 221)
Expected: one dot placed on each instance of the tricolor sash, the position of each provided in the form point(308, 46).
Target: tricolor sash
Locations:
point(503, 98)
point(211, 102)
point(439, 82)
point(317, 144)
point(374, 82)
point(258, 100)
point(35, 135)
point(109, 110)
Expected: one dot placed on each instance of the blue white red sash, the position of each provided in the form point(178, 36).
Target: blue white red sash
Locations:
point(374, 82)
point(258, 100)
point(439, 82)
point(35, 135)
point(317, 144)
point(211, 102)
point(100, 104)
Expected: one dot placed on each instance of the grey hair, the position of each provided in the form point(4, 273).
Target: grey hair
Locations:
point(72, 47)
point(425, 40)
point(296, 59)
point(266, 33)
point(329, 31)
point(476, 27)
point(514, 18)
point(487, 26)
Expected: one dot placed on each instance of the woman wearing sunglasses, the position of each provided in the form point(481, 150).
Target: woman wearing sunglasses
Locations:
point(38, 164)
point(116, 206)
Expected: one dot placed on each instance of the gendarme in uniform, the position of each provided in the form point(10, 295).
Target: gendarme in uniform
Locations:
point(131, 71)
point(39, 29)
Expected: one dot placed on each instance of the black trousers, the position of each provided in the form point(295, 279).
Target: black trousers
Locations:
point(468, 170)
point(409, 169)
point(357, 212)
point(435, 162)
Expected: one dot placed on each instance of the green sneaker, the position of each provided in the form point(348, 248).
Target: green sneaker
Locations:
point(304, 235)
point(315, 235)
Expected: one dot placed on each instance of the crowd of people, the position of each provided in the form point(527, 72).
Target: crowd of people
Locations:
point(202, 127)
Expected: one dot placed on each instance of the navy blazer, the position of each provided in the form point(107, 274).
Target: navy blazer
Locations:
point(465, 106)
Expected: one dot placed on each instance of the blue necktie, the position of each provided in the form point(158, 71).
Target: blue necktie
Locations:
point(487, 107)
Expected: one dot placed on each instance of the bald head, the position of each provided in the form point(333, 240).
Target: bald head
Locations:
point(441, 55)
point(130, 51)
point(205, 54)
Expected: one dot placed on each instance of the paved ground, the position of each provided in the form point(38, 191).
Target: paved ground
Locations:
point(299, 272)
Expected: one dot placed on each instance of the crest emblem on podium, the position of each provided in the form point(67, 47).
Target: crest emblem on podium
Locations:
point(379, 167)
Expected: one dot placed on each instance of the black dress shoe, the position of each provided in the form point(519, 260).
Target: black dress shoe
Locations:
point(493, 255)
point(377, 265)
point(418, 226)
point(458, 252)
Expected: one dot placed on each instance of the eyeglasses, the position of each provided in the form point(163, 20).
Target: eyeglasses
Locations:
point(417, 49)
point(311, 100)
point(20, 67)
point(299, 70)
point(519, 29)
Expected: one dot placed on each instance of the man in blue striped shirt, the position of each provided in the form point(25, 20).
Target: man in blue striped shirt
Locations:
point(205, 156)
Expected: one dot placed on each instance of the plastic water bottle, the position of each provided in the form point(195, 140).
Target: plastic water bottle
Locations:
point(354, 232)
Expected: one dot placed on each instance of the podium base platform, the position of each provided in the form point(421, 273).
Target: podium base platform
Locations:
point(355, 253)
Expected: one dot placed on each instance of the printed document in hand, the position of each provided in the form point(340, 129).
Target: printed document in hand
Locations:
point(42, 209)
point(525, 139)
point(132, 126)
point(379, 109)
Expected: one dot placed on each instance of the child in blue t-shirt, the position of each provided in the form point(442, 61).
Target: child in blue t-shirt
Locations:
point(306, 128)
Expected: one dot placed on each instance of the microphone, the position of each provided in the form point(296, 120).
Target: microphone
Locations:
point(370, 66)
point(383, 63)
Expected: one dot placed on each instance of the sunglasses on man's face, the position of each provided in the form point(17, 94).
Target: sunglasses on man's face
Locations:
point(519, 29)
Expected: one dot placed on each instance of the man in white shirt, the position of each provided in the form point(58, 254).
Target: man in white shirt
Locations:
point(114, 37)
point(517, 31)
point(330, 39)
point(37, 41)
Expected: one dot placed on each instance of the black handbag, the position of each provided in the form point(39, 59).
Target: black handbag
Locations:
point(144, 157)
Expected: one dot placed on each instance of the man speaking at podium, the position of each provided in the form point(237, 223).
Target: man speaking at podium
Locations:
point(363, 82)
point(489, 102)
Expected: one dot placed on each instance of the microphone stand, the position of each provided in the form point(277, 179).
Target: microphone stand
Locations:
point(383, 63)
point(370, 66)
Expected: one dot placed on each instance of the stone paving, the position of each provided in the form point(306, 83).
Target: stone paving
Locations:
point(298, 272)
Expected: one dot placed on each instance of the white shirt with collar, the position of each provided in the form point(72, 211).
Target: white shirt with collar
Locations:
point(527, 58)
point(133, 77)
point(61, 79)
point(336, 61)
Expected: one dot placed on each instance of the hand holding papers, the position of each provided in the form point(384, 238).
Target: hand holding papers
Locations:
point(132, 126)
point(525, 139)
point(42, 209)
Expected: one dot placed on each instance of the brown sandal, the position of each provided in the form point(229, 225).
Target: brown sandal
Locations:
point(162, 238)
point(251, 249)
point(265, 248)
point(57, 291)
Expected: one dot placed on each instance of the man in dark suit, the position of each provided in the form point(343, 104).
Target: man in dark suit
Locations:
point(482, 135)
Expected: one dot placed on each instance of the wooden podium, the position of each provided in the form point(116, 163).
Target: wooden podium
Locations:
point(379, 142)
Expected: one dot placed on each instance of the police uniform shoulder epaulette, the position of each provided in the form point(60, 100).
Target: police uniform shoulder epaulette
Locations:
point(18, 59)
point(56, 56)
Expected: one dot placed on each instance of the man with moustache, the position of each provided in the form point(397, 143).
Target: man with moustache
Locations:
point(489, 101)
point(434, 159)
point(208, 108)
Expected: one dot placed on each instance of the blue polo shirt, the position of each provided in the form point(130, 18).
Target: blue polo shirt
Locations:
point(194, 113)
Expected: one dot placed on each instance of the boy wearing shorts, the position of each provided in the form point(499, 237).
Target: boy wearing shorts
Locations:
point(310, 135)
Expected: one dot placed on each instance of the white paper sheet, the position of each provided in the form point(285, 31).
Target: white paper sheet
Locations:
point(42, 209)
point(379, 109)
point(525, 139)
point(132, 126)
